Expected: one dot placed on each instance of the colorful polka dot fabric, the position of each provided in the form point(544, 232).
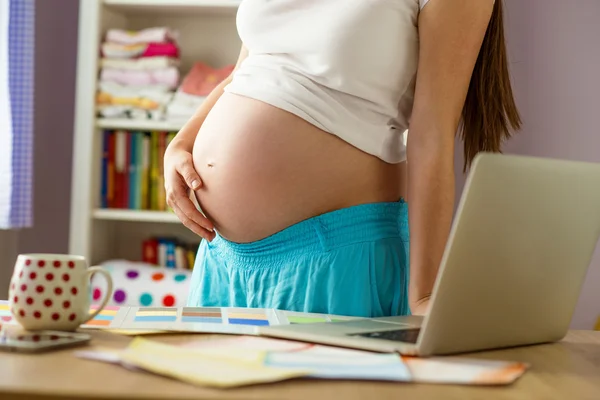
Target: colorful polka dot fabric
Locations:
point(143, 285)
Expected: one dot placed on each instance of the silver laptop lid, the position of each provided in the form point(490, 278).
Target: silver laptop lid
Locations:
point(517, 255)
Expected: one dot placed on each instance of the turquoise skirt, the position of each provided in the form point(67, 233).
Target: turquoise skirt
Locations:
point(352, 261)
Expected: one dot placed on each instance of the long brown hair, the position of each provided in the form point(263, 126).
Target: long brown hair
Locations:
point(490, 111)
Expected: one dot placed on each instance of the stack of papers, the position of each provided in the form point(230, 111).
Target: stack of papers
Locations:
point(246, 360)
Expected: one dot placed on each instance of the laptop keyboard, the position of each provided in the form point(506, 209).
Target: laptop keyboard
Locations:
point(398, 335)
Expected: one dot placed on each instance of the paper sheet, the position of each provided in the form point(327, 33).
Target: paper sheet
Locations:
point(331, 362)
point(198, 368)
point(464, 371)
point(323, 361)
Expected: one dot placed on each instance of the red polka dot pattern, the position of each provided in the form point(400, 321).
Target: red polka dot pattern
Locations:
point(169, 301)
point(46, 295)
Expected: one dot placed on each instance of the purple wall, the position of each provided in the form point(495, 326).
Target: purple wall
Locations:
point(554, 49)
point(55, 67)
point(56, 56)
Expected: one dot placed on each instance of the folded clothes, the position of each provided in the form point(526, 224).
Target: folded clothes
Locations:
point(139, 64)
point(149, 35)
point(129, 112)
point(150, 97)
point(183, 106)
point(165, 76)
point(116, 50)
point(202, 79)
point(118, 89)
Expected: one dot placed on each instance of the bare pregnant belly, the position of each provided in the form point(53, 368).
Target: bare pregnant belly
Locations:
point(265, 169)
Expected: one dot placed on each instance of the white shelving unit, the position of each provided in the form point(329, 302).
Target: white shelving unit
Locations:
point(140, 125)
point(135, 216)
point(207, 33)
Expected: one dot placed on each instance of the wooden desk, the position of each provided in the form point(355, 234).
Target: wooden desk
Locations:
point(566, 370)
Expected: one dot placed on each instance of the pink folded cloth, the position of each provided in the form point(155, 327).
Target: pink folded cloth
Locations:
point(149, 35)
point(166, 76)
point(202, 79)
point(116, 50)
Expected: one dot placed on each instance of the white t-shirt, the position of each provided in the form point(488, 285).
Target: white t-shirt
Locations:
point(346, 66)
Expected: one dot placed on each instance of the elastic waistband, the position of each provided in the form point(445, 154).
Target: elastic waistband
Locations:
point(361, 223)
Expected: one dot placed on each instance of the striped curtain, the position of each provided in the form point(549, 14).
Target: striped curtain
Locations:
point(16, 112)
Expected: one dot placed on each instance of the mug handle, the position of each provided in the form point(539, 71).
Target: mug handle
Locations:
point(102, 271)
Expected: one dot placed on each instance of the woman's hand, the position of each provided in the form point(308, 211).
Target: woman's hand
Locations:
point(180, 178)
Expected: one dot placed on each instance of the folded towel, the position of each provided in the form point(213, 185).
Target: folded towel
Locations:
point(139, 64)
point(149, 35)
point(165, 76)
point(116, 50)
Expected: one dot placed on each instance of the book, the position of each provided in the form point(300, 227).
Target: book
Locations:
point(111, 171)
point(120, 168)
point(104, 180)
point(170, 254)
point(153, 172)
point(162, 196)
point(126, 175)
point(150, 251)
point(132, 170)
point(131, 200)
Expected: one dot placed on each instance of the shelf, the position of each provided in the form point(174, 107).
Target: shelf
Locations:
point(185, 7)
point(135, 215)
point(141, 125)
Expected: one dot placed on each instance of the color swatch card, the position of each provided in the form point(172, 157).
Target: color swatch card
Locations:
point(215, 319)
point(5, 315)
point(230, 320)
point(109, 316)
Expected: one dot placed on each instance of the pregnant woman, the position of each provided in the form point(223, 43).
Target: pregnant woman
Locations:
point(298, 159)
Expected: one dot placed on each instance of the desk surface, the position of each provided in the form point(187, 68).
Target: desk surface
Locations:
point(569, 369)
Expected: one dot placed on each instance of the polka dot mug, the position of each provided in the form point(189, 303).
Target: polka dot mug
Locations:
point(52, 291)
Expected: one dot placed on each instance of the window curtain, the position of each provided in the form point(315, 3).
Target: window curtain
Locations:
point(16, 112)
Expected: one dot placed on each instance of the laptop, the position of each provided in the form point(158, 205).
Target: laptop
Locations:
point(515, 261)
